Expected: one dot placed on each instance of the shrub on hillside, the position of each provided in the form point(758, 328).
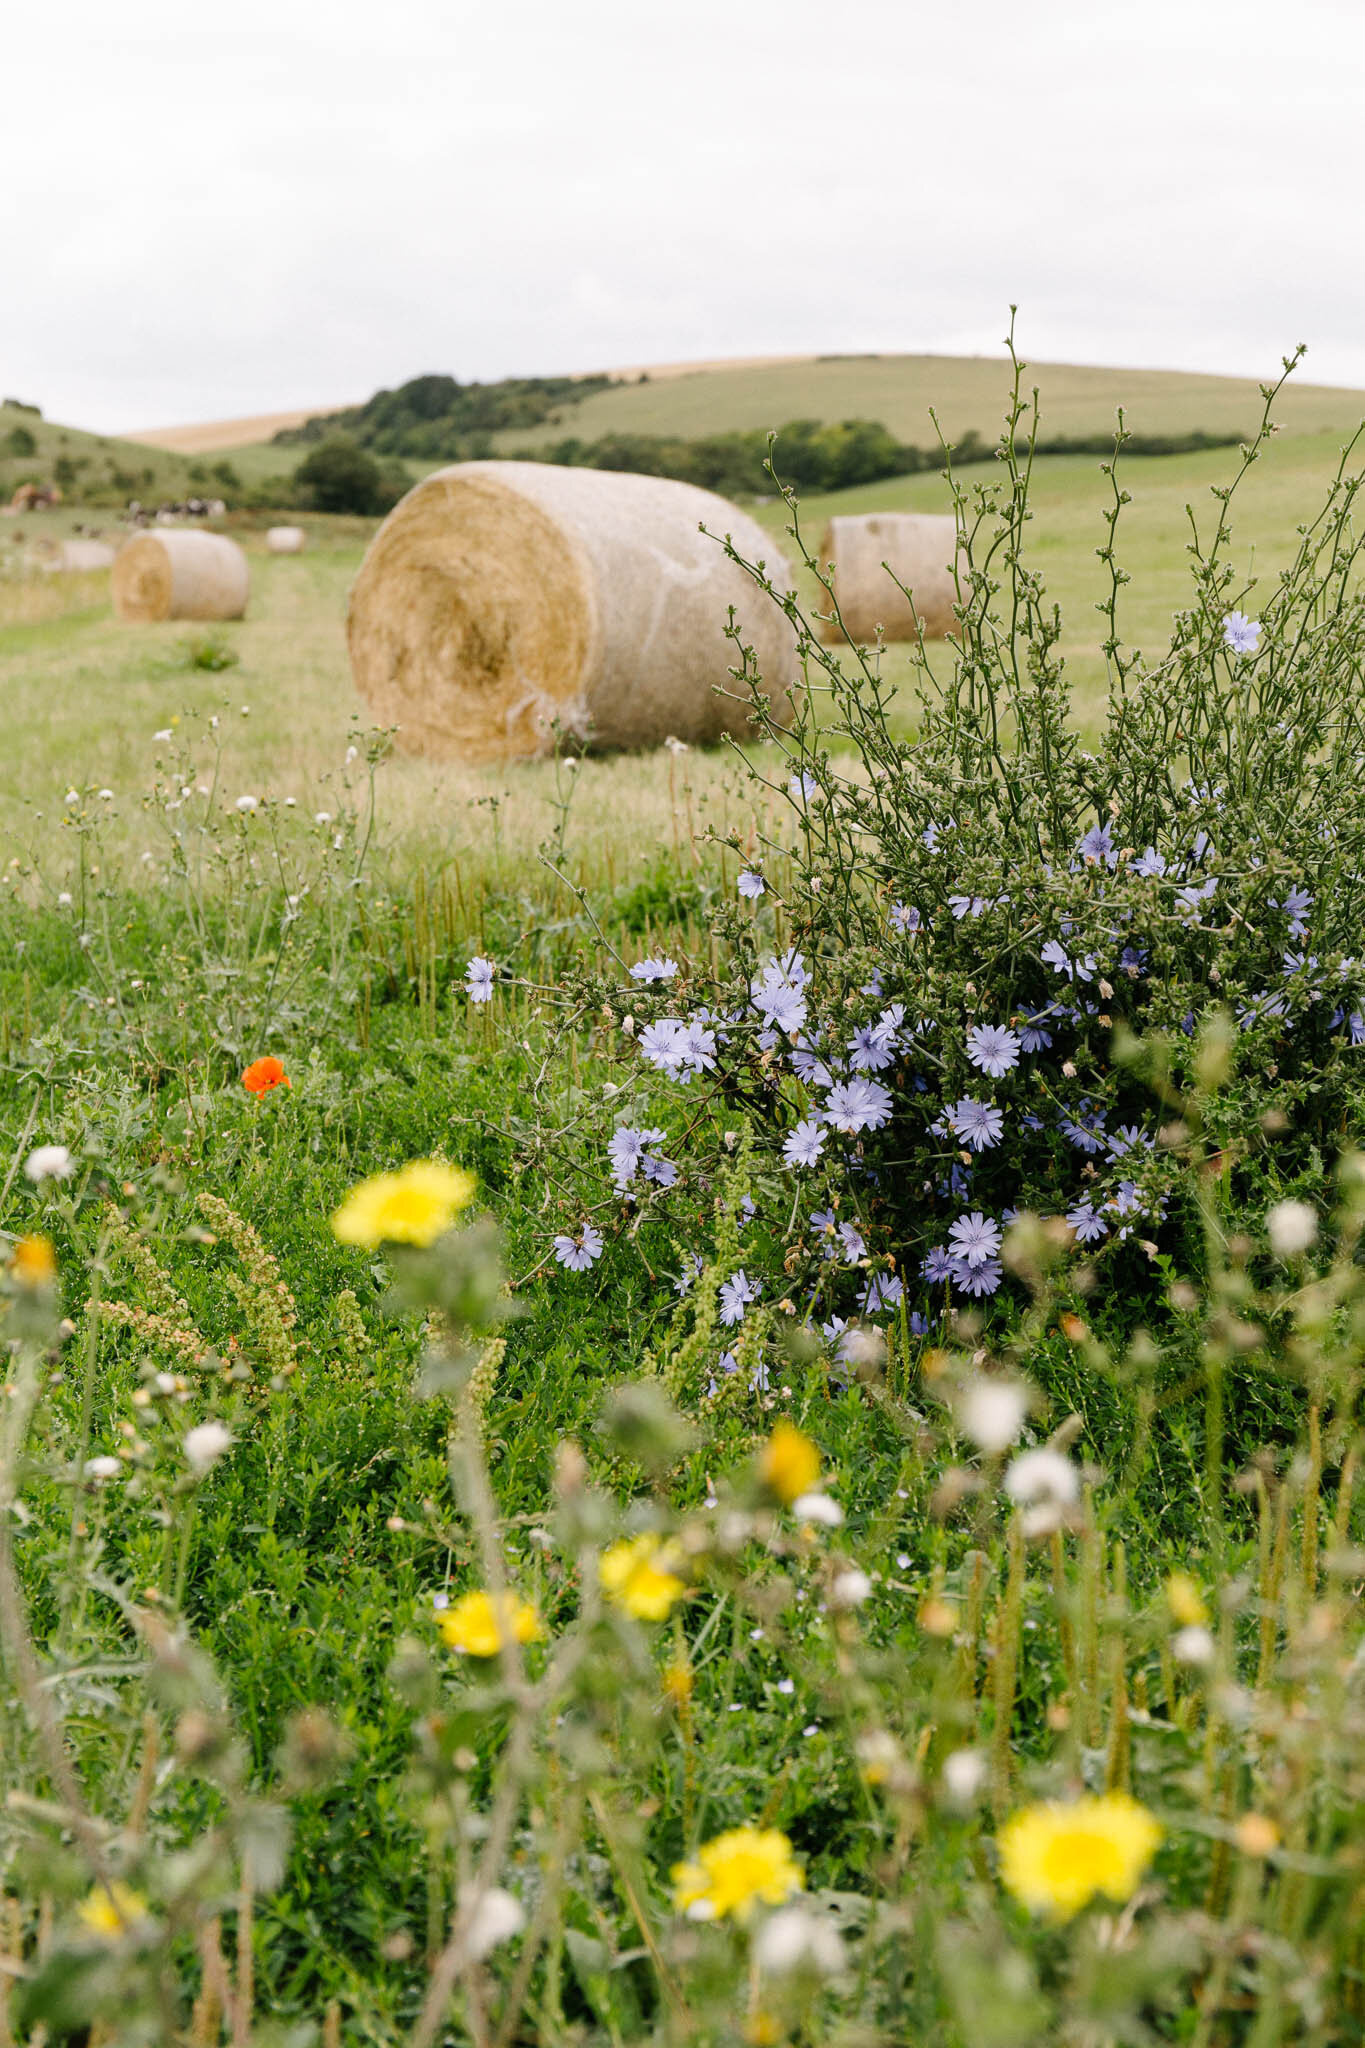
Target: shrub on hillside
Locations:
point(20, 443)
point(339, 476)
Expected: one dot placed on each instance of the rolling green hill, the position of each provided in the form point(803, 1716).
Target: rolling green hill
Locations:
point(966, 392)
point(102, 468)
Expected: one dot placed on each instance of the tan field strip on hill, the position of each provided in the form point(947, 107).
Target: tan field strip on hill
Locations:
point(212, 437)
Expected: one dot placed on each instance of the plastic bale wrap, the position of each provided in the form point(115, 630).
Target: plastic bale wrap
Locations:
point(285, 540)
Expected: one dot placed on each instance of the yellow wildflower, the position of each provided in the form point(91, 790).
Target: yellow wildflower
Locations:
point(478, 1624)
point(734, 1871)
point(638, 1576)
point(1185, 1601)
point(34, 1263)
point(678, 1682)
point(789, 1463)
point(1057, 1856)
point(416, 1205)
point(111, 1909)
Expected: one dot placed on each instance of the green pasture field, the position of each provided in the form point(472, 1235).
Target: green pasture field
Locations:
point(84, 694)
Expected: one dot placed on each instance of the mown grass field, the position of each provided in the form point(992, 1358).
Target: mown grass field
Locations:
point(84, 694)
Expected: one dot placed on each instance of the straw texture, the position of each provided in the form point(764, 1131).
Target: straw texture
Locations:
point(919, 547)
point(285, 540)
point(180, 574)
point(501, 598)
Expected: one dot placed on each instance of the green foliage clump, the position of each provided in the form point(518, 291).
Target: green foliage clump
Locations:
point(436, 418)
point(340, 476)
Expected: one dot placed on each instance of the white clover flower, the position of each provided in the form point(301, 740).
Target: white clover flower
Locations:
point(992, 1412)
point(205, 1445)
point(322, 817)
point(351, 754)
point(1292, 1227)
point(164, 734)
point(102, 1468)
point(1193, 1645)
point(247, 803)
point(73, 796)
point(818, 1507)
point(106, 794)
point(850, 1588)
point(49, 1162)
point(964, 1773)
point(494, 1917)
point(64, 900)
point(798, 1938)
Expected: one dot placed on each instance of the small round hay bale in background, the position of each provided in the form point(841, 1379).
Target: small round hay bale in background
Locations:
point(285, 540)
point(82, 555)
point(500, 599)
point(919, 546)
point(180, 574)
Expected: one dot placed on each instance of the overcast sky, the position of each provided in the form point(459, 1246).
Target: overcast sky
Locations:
point(216, 210)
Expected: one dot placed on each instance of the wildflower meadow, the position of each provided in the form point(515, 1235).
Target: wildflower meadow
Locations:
point(765, 1451)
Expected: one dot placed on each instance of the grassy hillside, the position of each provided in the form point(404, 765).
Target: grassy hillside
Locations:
point(966, 392)
point(99, 461)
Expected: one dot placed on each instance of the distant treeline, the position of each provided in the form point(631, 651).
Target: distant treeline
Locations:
point(432, 418)
point(815, 457)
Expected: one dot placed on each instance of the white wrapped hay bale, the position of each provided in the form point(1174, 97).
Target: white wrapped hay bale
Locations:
point(285, 540)
point(919, 547)
point(501, 598)
point(180, 573)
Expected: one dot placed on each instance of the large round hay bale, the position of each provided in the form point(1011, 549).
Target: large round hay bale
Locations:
point(285, 540)
point(180, 573)
point(82, 555)
point(500, 599)
point(919, 547)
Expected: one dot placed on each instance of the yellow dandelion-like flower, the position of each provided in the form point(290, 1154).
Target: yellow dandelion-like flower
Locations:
point(1185, 1601)
point(416, 1205)
point(112, 1909)
point(678, 1682)
point(479, 1624)
point(639, 1576)
point(34, 1262)
point(1057, 1856)
point(736, 1871)
point(789, 1463)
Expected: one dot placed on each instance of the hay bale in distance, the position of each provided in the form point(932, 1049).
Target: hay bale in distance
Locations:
point(180, 573)
point(499, 598)
point(286, 540)
point(82, 555)
point(919, 546)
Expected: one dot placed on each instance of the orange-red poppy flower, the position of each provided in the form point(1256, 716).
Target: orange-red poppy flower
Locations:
point(263, 1075)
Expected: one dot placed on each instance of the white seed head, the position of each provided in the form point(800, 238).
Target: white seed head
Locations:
point(205, 1445)
point(798, 1938)
point(964, 1773)
point(1193, 1645)
point(1292, 1226)
point(818, 1507)
point(494, 1917)
point(850, 1588)
point(1038, 1478)
point(49, 1162)
point(992, 1412)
